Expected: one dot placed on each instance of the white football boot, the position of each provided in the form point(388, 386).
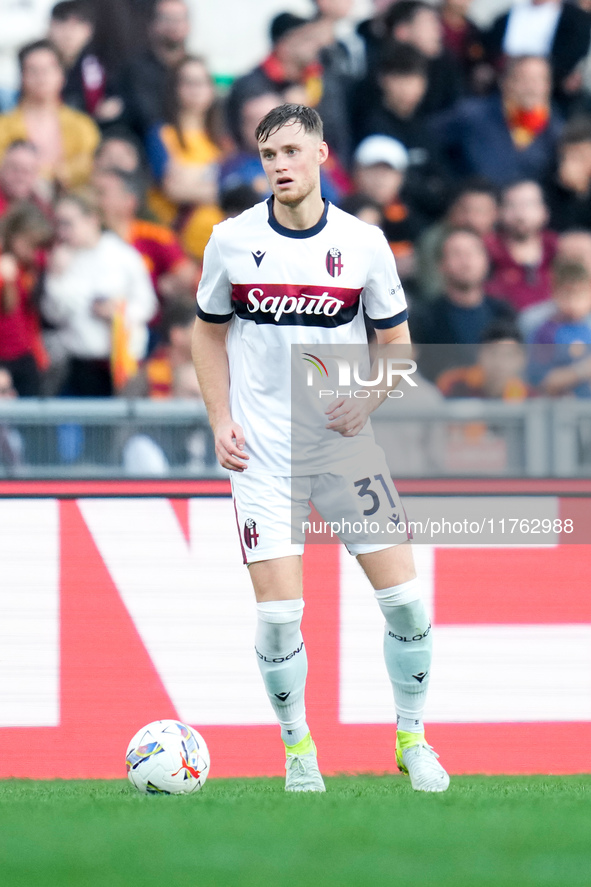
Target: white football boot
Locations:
point(302, 773)
point(420, 762)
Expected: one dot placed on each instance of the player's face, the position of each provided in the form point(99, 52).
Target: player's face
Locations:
point(291, 158)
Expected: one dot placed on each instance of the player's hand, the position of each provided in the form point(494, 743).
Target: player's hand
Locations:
point(347, 415)
point(229, 446)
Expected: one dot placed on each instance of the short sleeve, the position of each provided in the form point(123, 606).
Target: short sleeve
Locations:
point(383, 296)
point(214, 303)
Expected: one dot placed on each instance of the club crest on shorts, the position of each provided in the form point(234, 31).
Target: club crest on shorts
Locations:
point(334, 264)
point(251, 537)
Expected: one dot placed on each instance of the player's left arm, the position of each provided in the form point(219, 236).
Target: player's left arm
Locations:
point(348, 416)
point(384, 301)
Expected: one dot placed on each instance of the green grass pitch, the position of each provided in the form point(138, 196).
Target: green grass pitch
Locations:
point(497, 831)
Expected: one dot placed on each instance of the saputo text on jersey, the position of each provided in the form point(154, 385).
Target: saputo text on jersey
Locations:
point(304, 304)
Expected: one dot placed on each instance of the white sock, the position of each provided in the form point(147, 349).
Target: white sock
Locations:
point(407, 651)
point(284, 665)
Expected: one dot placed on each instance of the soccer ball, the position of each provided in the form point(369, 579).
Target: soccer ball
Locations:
point(167, 758)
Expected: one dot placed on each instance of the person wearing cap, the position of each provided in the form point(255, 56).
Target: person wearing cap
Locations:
point(295, 70)
point(379, 172)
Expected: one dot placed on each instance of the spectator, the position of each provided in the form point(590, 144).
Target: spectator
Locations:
point(158, 452)
point(22, 22)
point(464, 310)
point(119, 197)
point(402, 78)
point(508, 136)
point(364, 208)
point(197, 228)
point(64, 138)
point(372, 32)
point(120, 150)
point(88, 87)
point(294, 69)
point(11, 442)
point(569, 193)
point(550, 28)
point(563, 366)
point(380, 165)
point(475, 206)
point(464, 41)
point(401, 73)
point(184, 151)
point(419, 24)
point(121, 32)
point(155, 378)
point(169, 373)
point(522, 251)
point(92, 277)
point(19, 177)
point(243, 166)
point(573, 247)
point(26, 235)
point(347, 49)
point(236, 200)
point(498, 371)
point(144, 81)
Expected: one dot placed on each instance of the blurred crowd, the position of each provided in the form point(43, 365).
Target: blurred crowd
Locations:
point(470, 148)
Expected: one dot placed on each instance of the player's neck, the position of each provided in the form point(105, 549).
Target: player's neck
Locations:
point(302, 216)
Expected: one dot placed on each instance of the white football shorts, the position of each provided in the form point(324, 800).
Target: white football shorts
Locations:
point(361, 508)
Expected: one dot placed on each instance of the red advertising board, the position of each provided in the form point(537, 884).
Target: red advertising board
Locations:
point(126, 602)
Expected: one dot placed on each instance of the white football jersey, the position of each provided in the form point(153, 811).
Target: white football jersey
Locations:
point(282, 287)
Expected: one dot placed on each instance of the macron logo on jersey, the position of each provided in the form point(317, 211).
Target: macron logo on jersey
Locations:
point(258, 257)
point(290, 304)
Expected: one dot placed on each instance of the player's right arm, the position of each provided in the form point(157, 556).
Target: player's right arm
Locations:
point(214, 315)
point(211, 364)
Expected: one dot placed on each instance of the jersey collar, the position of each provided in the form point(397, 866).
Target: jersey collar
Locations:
point(297, 233)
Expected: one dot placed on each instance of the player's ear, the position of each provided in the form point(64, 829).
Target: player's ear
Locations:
point(322, 152)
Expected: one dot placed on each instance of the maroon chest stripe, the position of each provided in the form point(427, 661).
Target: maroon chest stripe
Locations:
point(295, 304)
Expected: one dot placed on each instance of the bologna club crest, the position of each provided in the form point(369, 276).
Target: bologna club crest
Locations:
point(251, 537)
point(334, 264)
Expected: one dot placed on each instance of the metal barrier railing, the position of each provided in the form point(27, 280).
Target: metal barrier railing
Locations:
point(120, 438)
point(60, 437)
